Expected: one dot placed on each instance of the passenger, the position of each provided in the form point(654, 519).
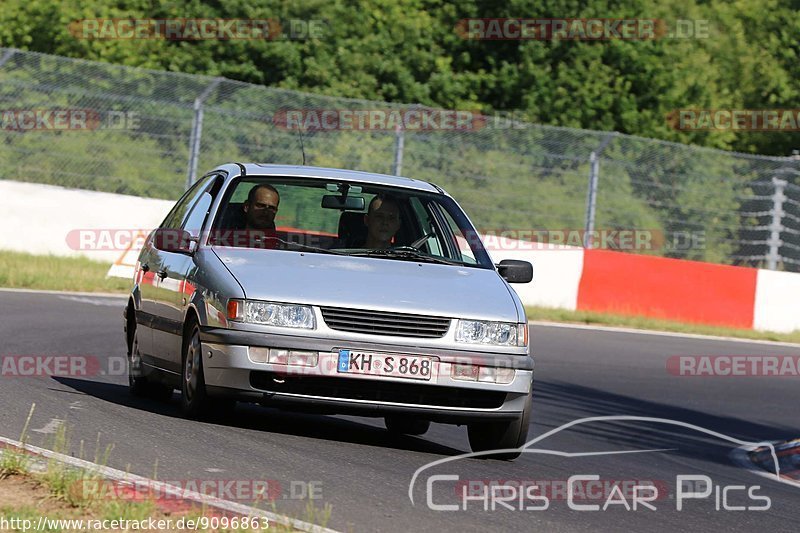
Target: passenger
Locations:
point(382, 221)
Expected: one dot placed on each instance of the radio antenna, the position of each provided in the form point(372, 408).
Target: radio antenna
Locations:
point(302, 146)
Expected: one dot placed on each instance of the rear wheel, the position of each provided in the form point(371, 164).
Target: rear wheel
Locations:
point(486, 436)
point(400, 425)
point(138, 383)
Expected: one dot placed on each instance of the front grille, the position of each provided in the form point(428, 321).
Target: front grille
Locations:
point(377, 391)
point(383, 323)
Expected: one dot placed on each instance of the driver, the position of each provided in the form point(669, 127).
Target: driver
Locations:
point(382, 221)
point(254, 226)
point(261, 207)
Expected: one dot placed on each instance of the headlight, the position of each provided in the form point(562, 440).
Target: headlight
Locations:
point(271, 314)
point(494, 333)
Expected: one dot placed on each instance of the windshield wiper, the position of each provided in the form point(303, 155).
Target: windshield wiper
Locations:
point(306, 246)
point(405, 253)
point(288, 245)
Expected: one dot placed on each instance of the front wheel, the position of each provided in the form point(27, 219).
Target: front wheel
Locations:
point(194, 399)
point(487, 436)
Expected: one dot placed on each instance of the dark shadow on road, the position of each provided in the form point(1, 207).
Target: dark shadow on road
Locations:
point(253, 417)
point(572, 402)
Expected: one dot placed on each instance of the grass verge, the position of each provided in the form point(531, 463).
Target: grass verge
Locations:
point(48, 272)
point(61, 492)
point(637, 322)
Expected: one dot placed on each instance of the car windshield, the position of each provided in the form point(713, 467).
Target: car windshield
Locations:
point(347, 218)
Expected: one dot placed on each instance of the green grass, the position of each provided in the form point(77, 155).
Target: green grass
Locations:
point(47, 272)
point(638, 322)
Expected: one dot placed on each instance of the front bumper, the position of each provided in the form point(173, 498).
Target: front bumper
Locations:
point(229, 371)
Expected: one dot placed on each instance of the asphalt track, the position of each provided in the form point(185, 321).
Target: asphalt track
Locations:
point(364, 474)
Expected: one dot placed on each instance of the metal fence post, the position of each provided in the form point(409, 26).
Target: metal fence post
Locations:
point(591, 199)
point(776, 227)
point(591, 196)
point(8, 54)
point(399, 145)
point(197, 132)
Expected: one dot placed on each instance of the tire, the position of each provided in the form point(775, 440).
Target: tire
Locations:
point(400, 425)
point(194, 399)
point(486, 436)
point(139, 384)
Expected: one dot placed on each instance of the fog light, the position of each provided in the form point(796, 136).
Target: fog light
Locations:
point(505, 375)
point(303, 358)
point(483, 374)
point(464, 372)
point(280, 356)
point(258, 355)
point(487, 374)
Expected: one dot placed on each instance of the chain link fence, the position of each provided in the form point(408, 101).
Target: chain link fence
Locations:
point(105, 127)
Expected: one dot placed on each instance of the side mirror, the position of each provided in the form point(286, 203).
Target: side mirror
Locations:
point(515, 271)
point(173, 240)
point(334, 201)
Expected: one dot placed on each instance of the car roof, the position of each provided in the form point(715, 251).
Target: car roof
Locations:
point(260, 169)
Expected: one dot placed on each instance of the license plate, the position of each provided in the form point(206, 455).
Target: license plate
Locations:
point(385, 365)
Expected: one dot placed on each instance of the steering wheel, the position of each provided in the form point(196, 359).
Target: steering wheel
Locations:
point(416, 244)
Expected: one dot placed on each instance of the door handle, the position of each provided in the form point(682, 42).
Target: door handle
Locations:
point(162, 274)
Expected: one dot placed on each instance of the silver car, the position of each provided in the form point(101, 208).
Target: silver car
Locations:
point(332, 291)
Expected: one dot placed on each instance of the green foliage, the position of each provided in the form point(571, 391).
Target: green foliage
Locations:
point(409, 51)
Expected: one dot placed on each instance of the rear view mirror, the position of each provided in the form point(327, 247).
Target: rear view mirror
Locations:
point(353, 203)
point(173, 240)
point(515, 271)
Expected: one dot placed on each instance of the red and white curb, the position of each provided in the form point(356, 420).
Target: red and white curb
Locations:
point(742, 456)
point(163, 488)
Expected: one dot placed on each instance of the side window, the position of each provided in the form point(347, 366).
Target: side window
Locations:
point(423, 218)
point(456, 236)
point(194, 222)
point(178, 214)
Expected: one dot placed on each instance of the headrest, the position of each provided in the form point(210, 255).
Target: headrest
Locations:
point(352, 230)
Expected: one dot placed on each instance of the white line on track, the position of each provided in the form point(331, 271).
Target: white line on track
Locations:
point(66, 293)
point(634, 331)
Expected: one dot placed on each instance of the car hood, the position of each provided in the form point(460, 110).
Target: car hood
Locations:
point(370, 283)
